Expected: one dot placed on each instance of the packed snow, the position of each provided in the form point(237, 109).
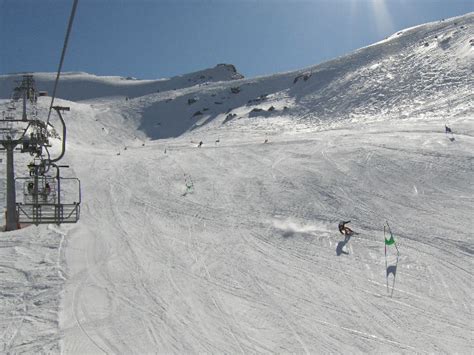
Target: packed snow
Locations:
point(233, 246)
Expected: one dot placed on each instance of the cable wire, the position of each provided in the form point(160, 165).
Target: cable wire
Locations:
point(71, 19)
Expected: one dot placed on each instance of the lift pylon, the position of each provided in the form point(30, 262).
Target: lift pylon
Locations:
point(46, 196)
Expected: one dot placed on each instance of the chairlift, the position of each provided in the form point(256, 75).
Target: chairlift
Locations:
point(49, 199)
point(35, 139)
point(44, 197)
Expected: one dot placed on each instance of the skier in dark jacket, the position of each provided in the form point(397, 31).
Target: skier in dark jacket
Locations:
point(345, 230)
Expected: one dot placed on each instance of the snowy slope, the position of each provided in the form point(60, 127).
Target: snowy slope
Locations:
point(249, 259)
point(84, 86)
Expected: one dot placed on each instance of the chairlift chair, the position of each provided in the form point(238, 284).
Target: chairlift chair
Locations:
point(45, 200)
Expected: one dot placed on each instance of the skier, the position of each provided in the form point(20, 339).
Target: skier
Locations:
point(345, 230)
point(189, 184)
point(449, 133)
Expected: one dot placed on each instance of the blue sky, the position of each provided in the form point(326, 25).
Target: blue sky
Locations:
point(152, 39)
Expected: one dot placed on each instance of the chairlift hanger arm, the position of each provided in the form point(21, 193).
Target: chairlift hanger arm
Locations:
point(58, 109)
point(46, 162)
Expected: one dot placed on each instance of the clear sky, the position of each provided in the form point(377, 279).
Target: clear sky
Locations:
point(152, 39)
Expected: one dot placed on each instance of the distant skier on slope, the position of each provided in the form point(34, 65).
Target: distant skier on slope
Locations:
point(345, 230)
point(449, 133)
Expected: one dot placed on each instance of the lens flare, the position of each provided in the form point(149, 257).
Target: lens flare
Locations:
point(383, 20)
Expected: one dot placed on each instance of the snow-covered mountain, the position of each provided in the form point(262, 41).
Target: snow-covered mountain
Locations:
point(233, 246)
point(84, 86)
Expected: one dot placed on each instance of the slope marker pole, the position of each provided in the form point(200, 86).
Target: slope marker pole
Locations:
point(386, 266)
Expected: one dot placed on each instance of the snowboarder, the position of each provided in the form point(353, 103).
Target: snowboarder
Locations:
point(200, 144)
point(345, 230)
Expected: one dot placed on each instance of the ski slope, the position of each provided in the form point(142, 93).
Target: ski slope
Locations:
point(249, 259)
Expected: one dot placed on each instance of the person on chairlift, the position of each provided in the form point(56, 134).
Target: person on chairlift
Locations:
point(46, 191)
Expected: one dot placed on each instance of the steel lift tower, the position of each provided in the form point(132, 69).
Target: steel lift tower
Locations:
point(12, 135)
point(26, 90)
point(9, 145)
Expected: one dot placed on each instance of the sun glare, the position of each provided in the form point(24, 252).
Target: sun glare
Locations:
point(383, 20)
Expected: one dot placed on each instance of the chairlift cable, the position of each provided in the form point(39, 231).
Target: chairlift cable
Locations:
point(71, 19)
